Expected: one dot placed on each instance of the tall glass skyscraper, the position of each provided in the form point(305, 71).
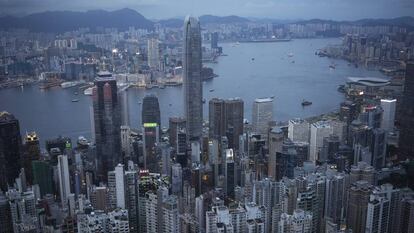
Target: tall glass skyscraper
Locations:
point(407, 114)
point(107, 122)
point(10, 149)
point(193, 89)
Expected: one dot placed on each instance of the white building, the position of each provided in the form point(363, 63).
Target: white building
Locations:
point(319, 130)
point(64, 182)
point(116, 185)
point(388, 115)
point(153, 53)
point(298, 130)
point(99, 221)
point(299, 221)
point(170, 215)
point(262, 114)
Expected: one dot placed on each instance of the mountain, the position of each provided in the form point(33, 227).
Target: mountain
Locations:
point(62, 21)
point(211, 19)
point(204, 19)
point(406, 21)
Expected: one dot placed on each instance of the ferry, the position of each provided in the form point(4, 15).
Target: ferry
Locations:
point(88, 91)
point(306, 103)
point(68, 84)
point(75, 100)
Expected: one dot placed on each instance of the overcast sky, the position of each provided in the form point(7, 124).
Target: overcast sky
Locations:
point(277, 9)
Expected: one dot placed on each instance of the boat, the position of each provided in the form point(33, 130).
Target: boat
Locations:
point(290, 54)
point(332, 66)
point(211, 90)
point(252, 58)
point(292, 61)
point(88, 91)
point(75, 100)
point(306, 103)
point(68, 84)
point(76, 93)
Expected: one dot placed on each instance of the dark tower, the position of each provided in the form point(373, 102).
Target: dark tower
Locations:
point(151, 123)
point(10, 146)
point(407, 114)
point(107, 119)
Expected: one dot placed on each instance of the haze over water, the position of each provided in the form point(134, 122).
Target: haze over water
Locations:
point(51, 113)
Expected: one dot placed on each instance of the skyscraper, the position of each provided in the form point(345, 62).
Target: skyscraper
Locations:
point(262, 114)
point(193, 88)
point(107, 122)
point(226, 119)
point(388, 116)
point(31, 153)
point(10, 148)
point(151, 123)
point(319, 130)
point(407, 114)
point(64, 181)
point(153, 53)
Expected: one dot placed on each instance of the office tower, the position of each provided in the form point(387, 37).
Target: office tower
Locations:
point(61, 143)
point(262, 114)
point(43, 176)
point(131, 199)
point(107, 122)
point(181, 153)
point(31, 152)
point(276, 138)
point(336, 197)
point(99, 197)
point(214, 40)
point(377, 144)
point(362, 171)
point(64, 179)
point(299, 221)
point(330, 147)
point(176, 179)
point(151, 123)
point(388, 116)
point(116, 186)
point(124, 105)
point(195, 152)
point(153, 53)
point(318, 132)
point(371, 116)
point(298, 130)
point(293, 154)
point(226, 119)
point(348, 112)
point(126, 142)
point(5, 215)
point(193, 87)
point(170, 215)
point(407, 114)
point(405, 213)
point(10, 148)
point(230, 173)
point(359, 195)
point(175, 124)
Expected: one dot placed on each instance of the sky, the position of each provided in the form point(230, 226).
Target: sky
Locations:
point(276, 9)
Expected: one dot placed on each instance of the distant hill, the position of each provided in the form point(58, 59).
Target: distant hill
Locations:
point(62, 21)
point(208, 19)
point(204, 19)
point(400, 21)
